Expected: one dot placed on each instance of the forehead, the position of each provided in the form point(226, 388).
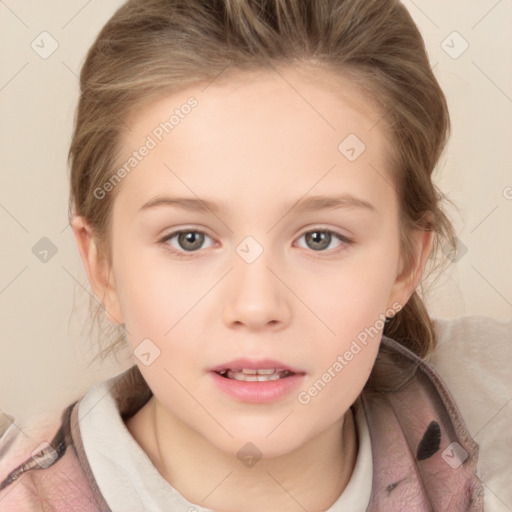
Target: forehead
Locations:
point(294, 122)
point(318, 95)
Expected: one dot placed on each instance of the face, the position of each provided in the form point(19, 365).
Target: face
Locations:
point(256, 231)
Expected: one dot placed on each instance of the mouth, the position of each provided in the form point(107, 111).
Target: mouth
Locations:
point(255, 375)
point(257, 382)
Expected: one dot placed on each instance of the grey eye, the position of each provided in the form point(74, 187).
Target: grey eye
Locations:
point(320, 239)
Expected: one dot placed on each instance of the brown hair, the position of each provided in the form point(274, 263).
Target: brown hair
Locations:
point(152, 47)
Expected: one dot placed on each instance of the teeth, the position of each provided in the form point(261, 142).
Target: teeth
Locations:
point(266, 372)
point(247, 371)
point(249, 375)
point(252, 378)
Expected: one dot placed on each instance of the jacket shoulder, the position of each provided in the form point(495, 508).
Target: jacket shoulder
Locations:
point(20, 440)
point(39, 469)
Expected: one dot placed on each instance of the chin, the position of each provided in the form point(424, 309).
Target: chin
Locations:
point(251, 444)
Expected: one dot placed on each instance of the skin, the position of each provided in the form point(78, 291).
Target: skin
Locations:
point(256, 145)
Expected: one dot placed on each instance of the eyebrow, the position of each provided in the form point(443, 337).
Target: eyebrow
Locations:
point(312, 203)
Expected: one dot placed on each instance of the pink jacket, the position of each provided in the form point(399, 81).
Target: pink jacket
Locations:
point(424, 459)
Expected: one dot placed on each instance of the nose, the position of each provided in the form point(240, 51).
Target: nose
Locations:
point(256, 297)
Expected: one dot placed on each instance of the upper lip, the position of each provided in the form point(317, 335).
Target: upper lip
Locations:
point(254, 364)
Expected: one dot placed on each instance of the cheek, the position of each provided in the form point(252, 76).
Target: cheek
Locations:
point(345, 357)
point(354, 296)
point(155, 298)
point(335, 388)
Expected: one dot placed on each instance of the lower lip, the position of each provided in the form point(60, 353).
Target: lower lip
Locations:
point(262, 392)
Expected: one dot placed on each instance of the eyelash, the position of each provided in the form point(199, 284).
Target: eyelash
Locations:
point(346, 242)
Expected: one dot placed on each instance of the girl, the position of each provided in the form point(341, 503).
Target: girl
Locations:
point(252, 201)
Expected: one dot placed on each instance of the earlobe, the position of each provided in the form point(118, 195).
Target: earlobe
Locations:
point(97, 269)
point(407, 282)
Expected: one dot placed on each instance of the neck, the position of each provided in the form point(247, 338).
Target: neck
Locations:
point(312, 477)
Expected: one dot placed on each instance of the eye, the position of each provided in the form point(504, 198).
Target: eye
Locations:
point(322, 239)
point(185, 241)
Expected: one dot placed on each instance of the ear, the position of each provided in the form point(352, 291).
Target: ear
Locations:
point(98, 270)
point(408, 280)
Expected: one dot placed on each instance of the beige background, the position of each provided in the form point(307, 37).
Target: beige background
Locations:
point(44, 351)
